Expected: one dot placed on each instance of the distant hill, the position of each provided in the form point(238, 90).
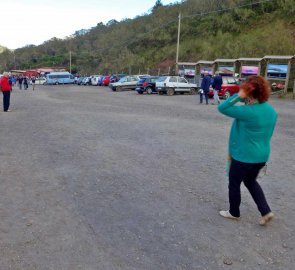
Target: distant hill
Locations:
point(209, 30)
point(2, 49)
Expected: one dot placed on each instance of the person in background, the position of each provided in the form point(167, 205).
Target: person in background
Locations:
point(10, 81)
point(205, 85)
point(20, 82)
point(249, 144)
point(26, 85)
point(6, 89)
point(33, 80)
point(13, 80)
point(216, 85)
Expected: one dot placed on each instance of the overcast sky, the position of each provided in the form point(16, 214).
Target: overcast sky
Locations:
point(34, 21)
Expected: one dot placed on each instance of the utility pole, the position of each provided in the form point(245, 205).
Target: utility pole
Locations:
point(13, 59)
point(70, 61)
point(178, 39)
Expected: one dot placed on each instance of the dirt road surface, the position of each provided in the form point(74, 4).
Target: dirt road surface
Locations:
point(94, 179)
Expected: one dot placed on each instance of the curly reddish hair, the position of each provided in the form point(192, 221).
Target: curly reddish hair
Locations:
point(257, 87)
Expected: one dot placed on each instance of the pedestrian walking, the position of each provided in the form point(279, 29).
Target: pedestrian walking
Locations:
point(20, 82)
point(33, 80)
point(205, 85)
point(249, 144)
point(26, 85)
point(6, 89)
point(216, 85)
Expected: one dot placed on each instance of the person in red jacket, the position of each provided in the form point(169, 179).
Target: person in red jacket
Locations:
point(6, 89)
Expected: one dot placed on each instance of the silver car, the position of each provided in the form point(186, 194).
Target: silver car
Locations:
point(126, 83)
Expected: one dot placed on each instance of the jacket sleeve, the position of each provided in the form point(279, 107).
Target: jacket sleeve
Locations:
point(239, 112)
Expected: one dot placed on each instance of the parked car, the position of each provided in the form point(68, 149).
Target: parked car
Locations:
point(39, 80)
point(95, 79)
point(100, 80)
point(173, 84)
point(116, 77)
point(106, 81)
point(126, 83)
point(80, 79)
point(86, 81)
point(147, 85)
point(230, 86)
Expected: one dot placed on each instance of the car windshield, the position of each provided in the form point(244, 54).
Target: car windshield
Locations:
point(162, 79)
point(122, 79)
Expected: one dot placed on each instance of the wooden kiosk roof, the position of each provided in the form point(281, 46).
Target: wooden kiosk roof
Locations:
point(245, 59)
point(205, 62)
point(225, 60)
point(279, 57)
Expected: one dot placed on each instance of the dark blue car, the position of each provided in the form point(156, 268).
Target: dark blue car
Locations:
point(147, 85)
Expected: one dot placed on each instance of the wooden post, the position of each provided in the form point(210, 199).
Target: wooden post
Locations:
point(235, 67)
point(178, 39)
point(287, 77)
point(265, 75)
point(195, 74)
point(215, 67)
point(259, 68)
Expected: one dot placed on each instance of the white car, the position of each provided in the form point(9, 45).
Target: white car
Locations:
point(172, 84)
point(95, 79)
point(39, 80)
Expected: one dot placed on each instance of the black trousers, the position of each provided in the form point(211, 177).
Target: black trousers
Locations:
point(247, 173)
point(6, 100)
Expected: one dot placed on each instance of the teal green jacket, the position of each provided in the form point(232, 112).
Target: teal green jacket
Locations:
point(251, 130)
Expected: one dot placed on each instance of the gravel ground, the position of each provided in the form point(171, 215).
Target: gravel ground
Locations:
point(94, 179)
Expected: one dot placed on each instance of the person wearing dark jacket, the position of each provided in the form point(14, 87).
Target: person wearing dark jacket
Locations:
point(216, 85)
point(26, 85)
point(6, 89)
point(20, 82)
point(206, 82)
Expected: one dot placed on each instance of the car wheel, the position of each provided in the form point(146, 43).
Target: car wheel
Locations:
point(226, 94)
point(170, 92)
point(193, 91)
point(56, 83)
point(149, 90)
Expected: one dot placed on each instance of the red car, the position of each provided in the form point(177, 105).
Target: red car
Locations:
point(230, 86)
point(106, 81)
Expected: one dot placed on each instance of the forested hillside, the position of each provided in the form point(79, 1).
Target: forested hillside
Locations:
point(209, 29)
point(2, 49)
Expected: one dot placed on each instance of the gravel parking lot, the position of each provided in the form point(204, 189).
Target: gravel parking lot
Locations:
point(94, 179)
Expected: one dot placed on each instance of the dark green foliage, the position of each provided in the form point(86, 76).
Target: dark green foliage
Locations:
point(209, 29)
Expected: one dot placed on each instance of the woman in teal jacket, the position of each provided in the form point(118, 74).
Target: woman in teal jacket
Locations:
point(249, 143)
